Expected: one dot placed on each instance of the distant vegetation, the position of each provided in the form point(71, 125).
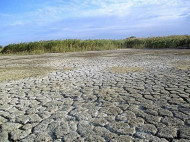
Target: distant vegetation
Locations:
point(57, 46)
point(158, 42)
point(1, 47)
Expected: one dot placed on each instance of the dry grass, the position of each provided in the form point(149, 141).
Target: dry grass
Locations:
point(126, 69)
point(182, 53)
point(67, 69)
point(87, 55)
point(30, 62)
point(15, 73)
point(182, 65)
point(20, 67)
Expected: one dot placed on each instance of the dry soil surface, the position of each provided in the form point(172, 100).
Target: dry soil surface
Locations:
point(100, 96)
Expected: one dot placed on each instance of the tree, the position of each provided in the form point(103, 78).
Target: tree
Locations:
point(132, 37)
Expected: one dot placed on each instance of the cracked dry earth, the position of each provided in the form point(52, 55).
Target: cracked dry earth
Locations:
point(100, 96)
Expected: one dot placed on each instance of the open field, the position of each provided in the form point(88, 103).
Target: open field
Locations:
point(120, 95)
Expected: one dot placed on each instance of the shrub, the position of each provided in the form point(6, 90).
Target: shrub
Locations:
point(159, 42)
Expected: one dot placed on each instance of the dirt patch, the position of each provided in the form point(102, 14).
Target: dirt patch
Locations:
point(126, 69)
point(28, 62)
point(182, 53)
point(15, 73)
point(182, 65)
point(67, 69)
point(86, 55)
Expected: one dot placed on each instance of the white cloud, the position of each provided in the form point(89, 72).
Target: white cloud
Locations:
point(133, 12)
point(89, 8)
point(57, 10)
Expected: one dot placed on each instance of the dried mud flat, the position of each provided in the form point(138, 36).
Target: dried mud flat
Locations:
point(117, 96)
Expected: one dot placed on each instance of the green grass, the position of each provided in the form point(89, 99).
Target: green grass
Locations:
point(159, 42)
point(59, 46)
point(1, 47)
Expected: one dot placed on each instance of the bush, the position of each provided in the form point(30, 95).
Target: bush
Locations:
point(159, 42)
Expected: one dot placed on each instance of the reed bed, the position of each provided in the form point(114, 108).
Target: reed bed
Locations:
point(71, 45)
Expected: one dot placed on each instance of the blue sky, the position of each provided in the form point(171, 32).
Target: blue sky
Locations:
point(33, 20)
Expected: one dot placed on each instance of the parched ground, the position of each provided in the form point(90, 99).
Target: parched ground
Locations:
point(118, 96)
